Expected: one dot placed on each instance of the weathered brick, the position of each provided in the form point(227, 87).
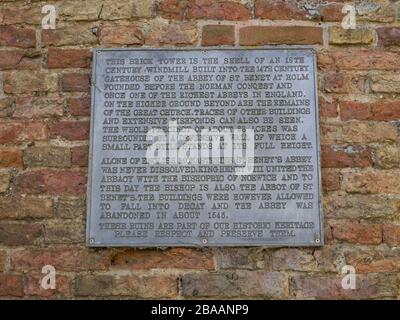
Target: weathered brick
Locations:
point(76, 10)
point(385, 110)
point(217, 10)
point(385, 83)
point(373, 259)
point(53, 182)
point(391, 235)
point(47, 157)
point(33, 288)
point(338, 82)
point(63, 258)
point(330, 179)
point(358, 206)
point(115, 10)
point(132, 286)
point(3, 260)
point(79, 106)
point(38, 107)
point(71, 207)
point(176, 258)
point(387, 156)
point(372, 181)
point(63, 231)
point(70, 35)
point(68, 58)
point(176, 33)
point(357, 232)
point(235, 284)
point(172, 9)
point(16, 82)
point(339, 36)
point(330, 287)
point(5, 178)
point(12, 36)
point(22, 131)
point(373, 11)
point(355, 59)
point(70, 130)
point(20, 208)
point(294, 259)
point(142, 9)
point(21, 13)
point(388, 36)
point(327, 108)
point(333, 156)
point(19, 60)
point(331, 12)
point(71, 82)
point(214, 35)
point(121, 35)
point(18, 234)
point(7, 106)
point(80, 156)
point(358, 132)
point(242, 258)
point(11, 285)
point(10, 158)
point(262, 35)
point(281, 10)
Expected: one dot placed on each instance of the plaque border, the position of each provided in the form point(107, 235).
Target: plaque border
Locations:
point(318, 239)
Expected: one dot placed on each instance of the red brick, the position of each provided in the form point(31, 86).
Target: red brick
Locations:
point(356, 232)
point(150, 286)
point(391, 234)
point(21, 132)
point(79, 106)
point(33, 286)
point(68, 58)
point(12, 36)
point(18, 234)
point(53, 182)
point(172, 9)
point(75, 82)
point(331, 12)
point(388, 36)
point(25, 208)
point(217, 10)
point(121, 35)
point(330, 287)
point(262, 35)
point(381, 111)
point(70, 130)
point(10, 158)
point(19, 60)
point(71, 35)
point(38, 107)
point(327, 108)
point(40, 82)
point(337, 82)
point(80, 156)
point(176, 258)
point(280, 10)
point(330, 179)
point(372, 181)
point(358, 60)
point(11, 285)
point(63, 258)
point(214, 35)
point(172, 33)
point(342, 157)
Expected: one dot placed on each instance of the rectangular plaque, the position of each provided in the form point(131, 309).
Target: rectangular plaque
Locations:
point(204, 147)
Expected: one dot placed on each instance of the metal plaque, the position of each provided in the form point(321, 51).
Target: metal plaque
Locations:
point(204, 147)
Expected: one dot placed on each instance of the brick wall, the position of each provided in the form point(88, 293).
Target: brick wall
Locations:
point(44, 122)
